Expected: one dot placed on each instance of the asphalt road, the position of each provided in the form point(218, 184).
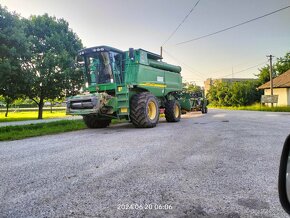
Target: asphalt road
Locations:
point(222, 164)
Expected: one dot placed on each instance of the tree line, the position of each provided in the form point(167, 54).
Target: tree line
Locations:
point(37, 58)
point(245, 92)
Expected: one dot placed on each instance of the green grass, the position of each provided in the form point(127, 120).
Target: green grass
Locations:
point(30, 115)
point(39, 129)
point(24, 131)
point(257, 107)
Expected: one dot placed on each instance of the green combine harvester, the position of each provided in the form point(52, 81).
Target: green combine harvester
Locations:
point(132, 85)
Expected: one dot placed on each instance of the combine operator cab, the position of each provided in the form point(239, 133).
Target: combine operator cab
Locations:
point(101, 66)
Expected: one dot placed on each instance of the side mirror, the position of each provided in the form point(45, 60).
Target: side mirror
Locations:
point(284, 176)
point(131, 54)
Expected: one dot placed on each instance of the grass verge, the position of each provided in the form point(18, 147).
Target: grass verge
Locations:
point(8, 133)
point(39, 129)
point(256, 107)
point(30, 115)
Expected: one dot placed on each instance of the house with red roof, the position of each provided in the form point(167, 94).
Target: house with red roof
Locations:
point(281, 87)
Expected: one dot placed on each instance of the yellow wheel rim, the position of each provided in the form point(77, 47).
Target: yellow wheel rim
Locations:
point(152, 110)
point(176, 111)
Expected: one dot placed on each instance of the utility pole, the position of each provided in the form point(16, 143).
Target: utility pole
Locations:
point(271, 75)
point(161, 51)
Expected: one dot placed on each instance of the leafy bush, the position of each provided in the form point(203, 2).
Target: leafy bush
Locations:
point(234, 94)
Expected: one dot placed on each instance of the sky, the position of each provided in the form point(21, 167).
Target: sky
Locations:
point(147, 24)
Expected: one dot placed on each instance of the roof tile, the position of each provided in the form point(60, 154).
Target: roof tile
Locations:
point(282, 81)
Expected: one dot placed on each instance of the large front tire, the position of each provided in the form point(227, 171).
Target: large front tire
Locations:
point(144, 110)
point(204, 109)
point(172, 111)
point(94, 122)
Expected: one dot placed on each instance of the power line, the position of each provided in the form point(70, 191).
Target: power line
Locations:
point(244, 69)
point(191, 10)
point(186, 65)
point(233, 66)
point(201, 76)
point(228, 28)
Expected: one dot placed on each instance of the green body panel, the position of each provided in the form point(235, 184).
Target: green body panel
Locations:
point(158, 80)
point(106, 87)
point(164, 66)
point(122, 99)
point(101, 87)
point(185, 104)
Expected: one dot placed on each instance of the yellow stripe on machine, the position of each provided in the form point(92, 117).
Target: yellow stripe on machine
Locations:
point(124, 110)
point(153, 85)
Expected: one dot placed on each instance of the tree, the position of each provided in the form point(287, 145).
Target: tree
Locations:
point(53, 47)
point(281, 66)
point(264, 75)
point(234, 94)
point(191, 87)
point(13, 51)
point(244, 93)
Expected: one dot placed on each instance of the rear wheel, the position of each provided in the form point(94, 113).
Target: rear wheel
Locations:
point(172, 111)
point(95, 122)
point(144, 110)
point(204, 109)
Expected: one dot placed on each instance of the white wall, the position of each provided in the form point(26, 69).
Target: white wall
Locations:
point(288, 96)
point(283, 95)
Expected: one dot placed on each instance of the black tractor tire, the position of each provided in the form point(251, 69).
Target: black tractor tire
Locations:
point(204, 110)
point(144, 110)
point(172, 111)
point(94, 122)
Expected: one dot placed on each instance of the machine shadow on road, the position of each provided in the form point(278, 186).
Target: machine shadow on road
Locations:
point(162, 120)
point(129, 125)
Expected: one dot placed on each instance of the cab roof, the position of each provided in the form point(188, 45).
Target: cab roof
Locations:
point(150, 55)
point(99, 48)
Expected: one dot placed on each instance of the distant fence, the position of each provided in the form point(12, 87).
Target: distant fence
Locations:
point(32, 109)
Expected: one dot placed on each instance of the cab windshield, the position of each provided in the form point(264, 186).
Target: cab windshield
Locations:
point(98, 68)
